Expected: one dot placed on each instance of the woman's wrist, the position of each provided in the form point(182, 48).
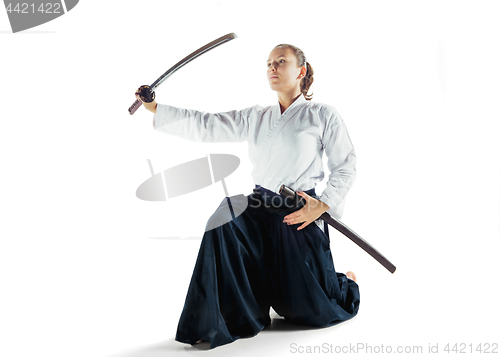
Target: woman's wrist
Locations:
point(322, 207)
point(151, 106)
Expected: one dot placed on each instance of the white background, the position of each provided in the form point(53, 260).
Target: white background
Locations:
point(88, 269)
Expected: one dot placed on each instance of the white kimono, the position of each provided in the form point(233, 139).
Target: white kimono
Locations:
point(284, 148)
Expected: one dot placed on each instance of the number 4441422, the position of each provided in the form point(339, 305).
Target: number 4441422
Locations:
point(25, 8)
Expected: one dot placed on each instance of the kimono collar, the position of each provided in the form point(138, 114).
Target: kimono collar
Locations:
point(300, 100)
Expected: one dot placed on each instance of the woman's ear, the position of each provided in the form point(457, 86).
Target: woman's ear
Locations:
point(303, 71)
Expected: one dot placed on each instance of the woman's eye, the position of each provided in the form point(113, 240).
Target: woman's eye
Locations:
point(280, 61)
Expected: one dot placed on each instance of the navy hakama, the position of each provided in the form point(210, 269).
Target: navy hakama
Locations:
point(255, 262)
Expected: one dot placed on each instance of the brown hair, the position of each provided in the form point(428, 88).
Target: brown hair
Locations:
point(308, 79)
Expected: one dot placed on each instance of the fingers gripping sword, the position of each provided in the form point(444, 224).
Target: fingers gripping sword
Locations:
point(147, 93)
point(349, 233)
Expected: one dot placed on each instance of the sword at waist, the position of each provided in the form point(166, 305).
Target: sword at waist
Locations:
point(349, 233)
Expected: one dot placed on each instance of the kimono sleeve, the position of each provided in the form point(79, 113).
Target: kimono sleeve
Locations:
point(201, 126)
point(341, 163)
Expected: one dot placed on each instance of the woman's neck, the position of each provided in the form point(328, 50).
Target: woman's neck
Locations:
point(286, 99)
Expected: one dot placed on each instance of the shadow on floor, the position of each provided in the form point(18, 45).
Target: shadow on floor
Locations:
point(272, 339)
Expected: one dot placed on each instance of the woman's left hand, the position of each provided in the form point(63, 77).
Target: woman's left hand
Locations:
point(309, 213)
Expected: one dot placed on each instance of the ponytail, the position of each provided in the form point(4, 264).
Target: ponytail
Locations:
point(306, 82)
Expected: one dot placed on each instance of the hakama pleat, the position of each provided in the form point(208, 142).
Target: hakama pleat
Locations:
point(255, 262)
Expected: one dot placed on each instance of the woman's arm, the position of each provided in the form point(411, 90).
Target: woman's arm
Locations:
point(200, 126)
point(341, 163)
point(195, 125)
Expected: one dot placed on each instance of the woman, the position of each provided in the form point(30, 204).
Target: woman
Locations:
point(271, 255)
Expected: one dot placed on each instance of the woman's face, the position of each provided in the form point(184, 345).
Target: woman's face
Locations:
point(283, 73)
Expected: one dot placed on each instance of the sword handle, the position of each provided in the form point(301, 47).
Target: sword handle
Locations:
point(133, 108)
point(146, 94)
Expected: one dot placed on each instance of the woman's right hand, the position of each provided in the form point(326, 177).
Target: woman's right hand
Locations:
point(149, 106)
